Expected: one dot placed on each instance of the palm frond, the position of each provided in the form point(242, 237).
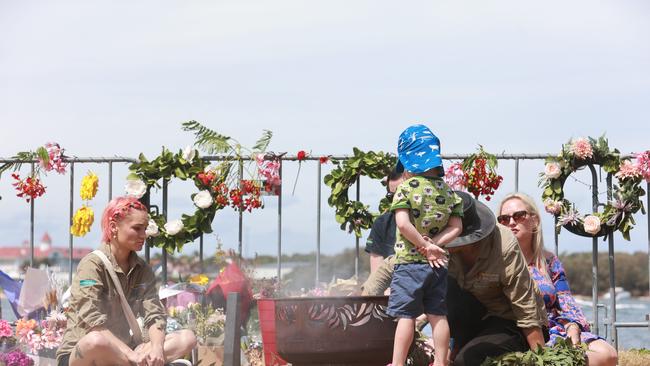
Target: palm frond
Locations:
point(263, 142)
point(208, 140)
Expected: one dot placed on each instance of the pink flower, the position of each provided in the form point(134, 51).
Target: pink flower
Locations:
point(581, 148)
point(552, 170)
point(628, 170)
point(55, 162)
point(643, 164)
point(5, 329)
point(552, 207)
point(592, 224)
point(455, 177)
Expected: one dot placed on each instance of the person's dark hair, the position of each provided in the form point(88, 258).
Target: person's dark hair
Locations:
point(394, 175)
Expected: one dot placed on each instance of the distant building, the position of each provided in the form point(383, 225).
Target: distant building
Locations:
point(12, 258)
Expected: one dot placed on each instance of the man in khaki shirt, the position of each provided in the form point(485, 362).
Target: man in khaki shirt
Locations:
point(493, 304)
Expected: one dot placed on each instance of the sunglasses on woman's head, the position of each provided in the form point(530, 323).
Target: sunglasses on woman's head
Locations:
point(518, 216)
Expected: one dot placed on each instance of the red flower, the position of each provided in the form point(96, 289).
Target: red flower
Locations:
point(324, 159)
point(302, 155)
point(30, 187)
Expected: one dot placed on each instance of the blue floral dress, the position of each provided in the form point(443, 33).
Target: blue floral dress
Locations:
point(560, 304)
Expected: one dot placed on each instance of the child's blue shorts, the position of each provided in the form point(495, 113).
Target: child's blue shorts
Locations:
point(417, 288)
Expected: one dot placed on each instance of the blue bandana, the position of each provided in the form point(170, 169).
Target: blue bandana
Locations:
point(418, 150)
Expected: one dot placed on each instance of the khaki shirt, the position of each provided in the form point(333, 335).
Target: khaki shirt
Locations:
point(94, 301)
point(500, 280)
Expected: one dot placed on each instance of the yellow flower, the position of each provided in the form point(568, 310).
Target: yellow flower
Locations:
point(82, 221)
point(199, 279)
point(89, 185)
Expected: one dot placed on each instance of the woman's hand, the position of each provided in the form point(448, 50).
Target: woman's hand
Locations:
point(137, 358)
point(573, 332)
point(156, 357)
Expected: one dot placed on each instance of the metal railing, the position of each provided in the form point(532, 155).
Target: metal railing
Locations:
point(611, 323)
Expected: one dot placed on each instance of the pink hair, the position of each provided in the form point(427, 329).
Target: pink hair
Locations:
point(115, 211)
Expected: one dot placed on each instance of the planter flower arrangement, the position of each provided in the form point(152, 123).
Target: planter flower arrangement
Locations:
point(49, 157)
point(625, 201)
point(218, 187)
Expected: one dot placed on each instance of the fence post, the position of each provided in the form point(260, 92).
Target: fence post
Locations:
point(232, 343)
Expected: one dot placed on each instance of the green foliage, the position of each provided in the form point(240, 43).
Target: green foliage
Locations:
point(354, 215)
point(563, 353)
point(208, 140)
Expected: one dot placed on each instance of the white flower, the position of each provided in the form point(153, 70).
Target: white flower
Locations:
point(552, 207)
point(174, 227)
point(189, 153)
point(152, 229)
point(135, 187)
point(552, 170)
point(592, 224)
point(203, 199)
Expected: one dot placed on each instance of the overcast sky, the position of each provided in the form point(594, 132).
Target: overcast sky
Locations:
point(118, 78)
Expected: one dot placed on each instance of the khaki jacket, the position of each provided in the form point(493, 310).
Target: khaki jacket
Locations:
point(500, 280)
point(94, 301)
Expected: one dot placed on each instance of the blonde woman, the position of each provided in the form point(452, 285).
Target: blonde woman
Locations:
point(520, 214)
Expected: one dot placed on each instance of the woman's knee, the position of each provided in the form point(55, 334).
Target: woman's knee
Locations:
point(94, 341)
point(187, 339)
point(602, 354)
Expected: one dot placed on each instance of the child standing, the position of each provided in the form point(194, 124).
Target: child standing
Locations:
point(428, 216)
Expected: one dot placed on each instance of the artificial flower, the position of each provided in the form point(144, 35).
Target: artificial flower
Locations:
point(135, 187)
point(189, 153)
point(628, 169)
point(55, 158)
point(455, 177)
point(552, 170)
point(30, 188)
point(302, 155)
point(643, 164)
point(82, 221)
point(199, 279)
point(89, 185)
point(152, 229)
point(324, 159)
point(592, 224)
point(5, 329)
point(581, 148)
point(203, 199)
point(552, 207)
point(173, 227)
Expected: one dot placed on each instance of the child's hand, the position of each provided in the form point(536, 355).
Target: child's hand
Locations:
point(434, 252)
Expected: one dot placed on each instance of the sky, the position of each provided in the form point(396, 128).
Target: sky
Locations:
point(117, 78)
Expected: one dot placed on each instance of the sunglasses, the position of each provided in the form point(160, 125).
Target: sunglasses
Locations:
point(518, 216)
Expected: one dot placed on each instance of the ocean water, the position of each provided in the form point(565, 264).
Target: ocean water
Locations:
point(627, 310)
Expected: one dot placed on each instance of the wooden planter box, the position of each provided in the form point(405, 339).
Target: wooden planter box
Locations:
point(353, 330)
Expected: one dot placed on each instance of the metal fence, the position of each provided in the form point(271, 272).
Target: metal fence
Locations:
point(610, 322)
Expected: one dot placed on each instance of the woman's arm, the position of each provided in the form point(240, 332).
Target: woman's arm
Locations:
point(534, 337)
point(570, 314)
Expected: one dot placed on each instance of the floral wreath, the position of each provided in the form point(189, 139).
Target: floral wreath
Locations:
point(185, 164)
point(617, 214)
point(354, 215)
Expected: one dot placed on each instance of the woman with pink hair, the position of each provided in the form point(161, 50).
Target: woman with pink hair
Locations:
point(98, 332)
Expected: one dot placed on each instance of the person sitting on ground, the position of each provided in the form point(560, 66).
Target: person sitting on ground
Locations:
point(493, 307)
point(381, 240)
point(98, 332)
point(424, 206)
point(518, 212)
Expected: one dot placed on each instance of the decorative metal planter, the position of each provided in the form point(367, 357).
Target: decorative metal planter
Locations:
point(339, 331)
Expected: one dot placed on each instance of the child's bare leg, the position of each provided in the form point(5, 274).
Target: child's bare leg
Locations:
point(440, 333)
point(403, 339)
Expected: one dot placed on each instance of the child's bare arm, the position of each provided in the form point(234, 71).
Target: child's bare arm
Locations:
point(450, 232)
point(407, 229)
